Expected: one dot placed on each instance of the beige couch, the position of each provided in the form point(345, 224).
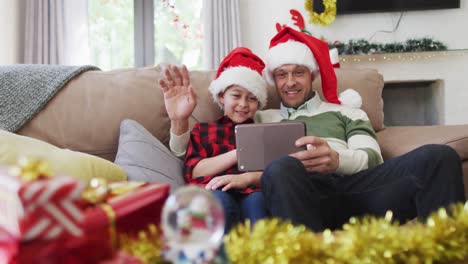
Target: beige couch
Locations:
point(86, 114)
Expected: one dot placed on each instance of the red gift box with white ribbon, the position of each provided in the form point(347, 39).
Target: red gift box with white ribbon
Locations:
point(46, 221)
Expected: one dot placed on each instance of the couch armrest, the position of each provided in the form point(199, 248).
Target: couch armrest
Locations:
point(397, 140)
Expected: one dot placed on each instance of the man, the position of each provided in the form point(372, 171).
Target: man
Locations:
point(341, 173)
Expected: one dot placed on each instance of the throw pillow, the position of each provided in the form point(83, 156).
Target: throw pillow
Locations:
point(62, 161)
point(144, 158)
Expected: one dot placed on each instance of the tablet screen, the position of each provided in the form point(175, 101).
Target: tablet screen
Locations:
point(259, 144)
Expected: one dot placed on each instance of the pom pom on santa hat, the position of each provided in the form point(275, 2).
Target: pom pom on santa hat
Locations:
point(293, 47)
point(241, 67)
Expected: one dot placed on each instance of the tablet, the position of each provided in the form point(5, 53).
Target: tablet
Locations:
point(259, 144)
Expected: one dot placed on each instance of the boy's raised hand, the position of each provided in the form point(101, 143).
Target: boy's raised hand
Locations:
point(179, 97)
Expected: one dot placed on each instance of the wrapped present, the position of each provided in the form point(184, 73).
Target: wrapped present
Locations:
point(34, 207)
point(46, 220)
point(128, 213)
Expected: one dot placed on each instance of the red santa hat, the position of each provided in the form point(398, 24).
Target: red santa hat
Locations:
point(293, 47)
point(241, 67)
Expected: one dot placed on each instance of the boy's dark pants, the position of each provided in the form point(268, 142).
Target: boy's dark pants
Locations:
point(239, 207)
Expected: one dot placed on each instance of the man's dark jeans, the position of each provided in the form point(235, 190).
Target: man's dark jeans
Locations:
point(412, 185)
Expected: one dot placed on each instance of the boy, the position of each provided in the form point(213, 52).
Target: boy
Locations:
point(211, 158)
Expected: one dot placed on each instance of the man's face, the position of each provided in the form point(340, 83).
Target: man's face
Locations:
point(293, 84)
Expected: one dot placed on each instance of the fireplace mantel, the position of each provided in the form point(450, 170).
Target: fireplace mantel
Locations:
point(448, 68)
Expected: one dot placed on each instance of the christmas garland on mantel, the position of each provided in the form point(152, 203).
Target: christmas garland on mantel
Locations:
point(361, 46)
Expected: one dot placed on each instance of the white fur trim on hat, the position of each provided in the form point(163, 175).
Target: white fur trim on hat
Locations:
point(242, 76)
point(289, 52)
point(350, 98)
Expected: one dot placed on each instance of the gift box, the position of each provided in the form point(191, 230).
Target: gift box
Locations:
point(128, 213)
point(46, 220)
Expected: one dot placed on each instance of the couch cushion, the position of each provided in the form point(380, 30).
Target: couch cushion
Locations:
point(397, 140)
point(62, 161)
point(144, 158)
point(369, 84)
point(86, 114)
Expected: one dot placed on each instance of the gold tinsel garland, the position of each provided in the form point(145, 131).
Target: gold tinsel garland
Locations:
point(442, 238)
point(326, 17)
point(146, 247)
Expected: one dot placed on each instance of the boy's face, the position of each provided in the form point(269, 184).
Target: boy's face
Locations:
point(238, 103)
point(293, 84)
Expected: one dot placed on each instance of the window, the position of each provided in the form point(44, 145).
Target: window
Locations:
point(178, 32)
point(111, 33)
point(129, 33)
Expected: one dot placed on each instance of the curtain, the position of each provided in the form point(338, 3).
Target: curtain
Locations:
point(222, 30)
point(56, 32)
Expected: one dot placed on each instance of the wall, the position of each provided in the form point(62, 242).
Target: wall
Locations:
point(258, 25)
point(11, 37)
point(446, 25)
point(445, 72)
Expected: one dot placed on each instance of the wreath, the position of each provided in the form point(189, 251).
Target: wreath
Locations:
point(326, 17)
